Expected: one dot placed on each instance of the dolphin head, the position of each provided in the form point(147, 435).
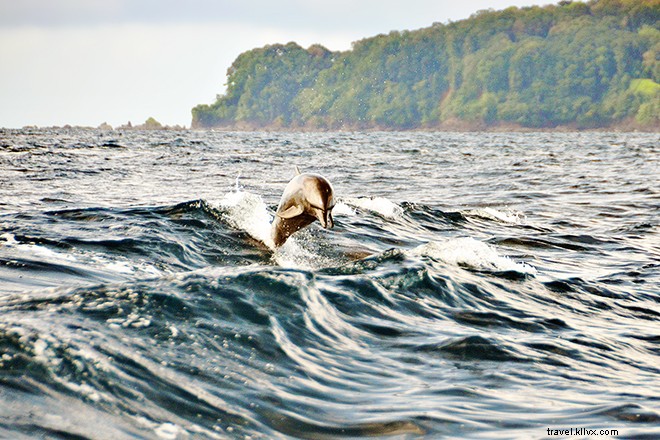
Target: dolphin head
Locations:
point(307, 197)
point(325, 218)
point(320, 198)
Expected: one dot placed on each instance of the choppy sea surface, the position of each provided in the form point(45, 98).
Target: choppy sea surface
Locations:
point(482, 285)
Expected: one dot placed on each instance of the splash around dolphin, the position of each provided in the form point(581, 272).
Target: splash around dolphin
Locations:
point(306, 198)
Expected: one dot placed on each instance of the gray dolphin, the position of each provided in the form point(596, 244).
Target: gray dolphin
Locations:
point(307, 197)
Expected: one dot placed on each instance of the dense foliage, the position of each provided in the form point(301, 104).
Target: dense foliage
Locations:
point(573, 64)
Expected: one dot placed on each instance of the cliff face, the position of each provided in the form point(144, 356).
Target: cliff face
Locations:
point(581, 65)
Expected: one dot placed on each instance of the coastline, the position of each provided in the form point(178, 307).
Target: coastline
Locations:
point(448, 126)
point(625, 126)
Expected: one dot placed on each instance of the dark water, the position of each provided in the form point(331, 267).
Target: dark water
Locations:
point(475, 286)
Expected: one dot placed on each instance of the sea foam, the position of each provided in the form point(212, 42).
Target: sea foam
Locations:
point(379, 205)
point(502, 216)
point(248, 212)
point(472, 253)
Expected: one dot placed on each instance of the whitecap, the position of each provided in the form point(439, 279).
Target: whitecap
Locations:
point(505, 216)
point(78, 258)
point(379, 205)
point(120, 267)
point(248, 212)
point(473, 253)
point(84, 390)
point(35, 250)
point(342, 208)
point(293, 255)
point(168, 431)
point(9, 239)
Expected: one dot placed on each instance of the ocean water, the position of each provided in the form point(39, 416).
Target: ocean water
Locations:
point(481, 285)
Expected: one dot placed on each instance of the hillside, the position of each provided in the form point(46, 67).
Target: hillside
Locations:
point(574, 64)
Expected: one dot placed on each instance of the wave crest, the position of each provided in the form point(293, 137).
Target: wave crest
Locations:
point(471, 253)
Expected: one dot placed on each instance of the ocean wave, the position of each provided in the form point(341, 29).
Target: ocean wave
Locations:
point(248, 212)
point(506, 216)
point(379, 205)
point(157, 309)
point(471, 253)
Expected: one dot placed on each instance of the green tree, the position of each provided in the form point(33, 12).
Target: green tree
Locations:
point(575, 63)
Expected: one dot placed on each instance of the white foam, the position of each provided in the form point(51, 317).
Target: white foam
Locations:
point(379, 205)
point(78, 257)
point(39, 348)
point(507, 216)
point(248, 212)
point(35, 250)
point(472, 253)
point(120, 267)
point(9, 239)
point(293, 255)
point(168, 431)
point(342, 208)
point(85, 390)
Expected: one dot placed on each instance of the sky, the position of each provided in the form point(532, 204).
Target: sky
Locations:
point(85, 62)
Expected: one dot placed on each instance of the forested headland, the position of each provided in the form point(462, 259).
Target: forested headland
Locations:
point(572, 64)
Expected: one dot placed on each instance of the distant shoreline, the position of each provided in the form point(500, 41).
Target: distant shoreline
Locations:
point(450, 126)
point(629, 127)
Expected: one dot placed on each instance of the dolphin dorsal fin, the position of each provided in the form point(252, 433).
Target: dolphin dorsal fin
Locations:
point(297, 170)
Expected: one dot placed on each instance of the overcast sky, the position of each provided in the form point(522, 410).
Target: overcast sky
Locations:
point(84, 62)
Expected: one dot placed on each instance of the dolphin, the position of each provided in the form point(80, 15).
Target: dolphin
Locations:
point(307, 197)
